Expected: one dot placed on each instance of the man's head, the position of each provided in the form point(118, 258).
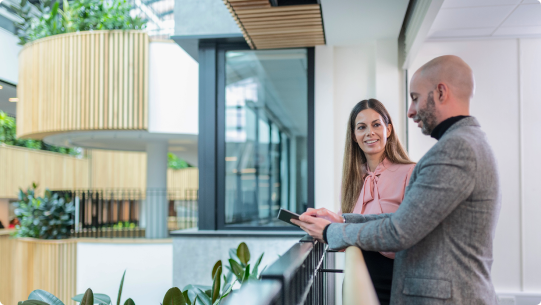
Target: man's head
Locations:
point(440, 89)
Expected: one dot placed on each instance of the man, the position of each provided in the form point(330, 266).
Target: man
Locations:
point(444, 229)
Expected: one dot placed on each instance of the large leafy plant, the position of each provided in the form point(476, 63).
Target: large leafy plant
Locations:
point(238, 271)
point(47, 217)
point(48, 18)
point(41, 297)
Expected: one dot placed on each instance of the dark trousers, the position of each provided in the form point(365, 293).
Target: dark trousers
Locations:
point(381, 274)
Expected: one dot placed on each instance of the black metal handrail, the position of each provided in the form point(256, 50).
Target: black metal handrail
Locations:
point(295, 278)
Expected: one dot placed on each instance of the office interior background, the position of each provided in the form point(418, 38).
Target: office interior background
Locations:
point(181, 140)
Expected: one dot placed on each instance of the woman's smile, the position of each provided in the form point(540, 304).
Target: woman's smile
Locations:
point(371, 142)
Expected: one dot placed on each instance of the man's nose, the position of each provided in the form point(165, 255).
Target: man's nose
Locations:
point(411, 111)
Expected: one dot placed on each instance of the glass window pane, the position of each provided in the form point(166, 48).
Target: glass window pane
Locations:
point(266, 135)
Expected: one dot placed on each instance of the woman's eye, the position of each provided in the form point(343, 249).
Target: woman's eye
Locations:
point(360, 128)
point(377, 125)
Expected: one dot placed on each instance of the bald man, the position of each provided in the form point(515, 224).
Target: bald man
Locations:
point(443, 231)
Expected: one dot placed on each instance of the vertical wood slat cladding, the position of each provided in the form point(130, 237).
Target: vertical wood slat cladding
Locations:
point(20, 167)
point(29, 264)
point(83, 81)
point(267, 27)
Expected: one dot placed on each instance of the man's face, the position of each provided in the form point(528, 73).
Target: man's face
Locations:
point(423, 107)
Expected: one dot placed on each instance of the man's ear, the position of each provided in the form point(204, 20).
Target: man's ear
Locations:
point(442, 91)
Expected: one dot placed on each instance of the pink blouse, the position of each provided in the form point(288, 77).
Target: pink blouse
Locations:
point(383, 190)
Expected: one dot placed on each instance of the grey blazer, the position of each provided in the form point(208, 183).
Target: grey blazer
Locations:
point(444, 229)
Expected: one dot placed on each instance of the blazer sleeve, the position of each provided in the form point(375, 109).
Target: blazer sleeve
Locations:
point(359, 218)
point(444, 180)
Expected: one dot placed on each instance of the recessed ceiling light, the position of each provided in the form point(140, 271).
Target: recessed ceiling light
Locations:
point(14, 99)
point(1, 86)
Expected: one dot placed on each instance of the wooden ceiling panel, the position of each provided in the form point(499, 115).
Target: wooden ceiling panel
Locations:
point(268, 27)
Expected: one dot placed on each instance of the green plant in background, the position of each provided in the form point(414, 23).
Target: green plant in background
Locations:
point(40, 297)
point(100, 298)
point(238, 272)
point(8, 135)
point(50, 19)
point(124, 224)
point(47, 217)
point(175, 162)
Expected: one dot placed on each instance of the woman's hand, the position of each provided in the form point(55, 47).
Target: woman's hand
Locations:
point(314, 226)
point(325, 214)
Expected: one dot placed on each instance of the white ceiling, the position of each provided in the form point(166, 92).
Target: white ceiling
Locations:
point(487, 19)
point(351, 22)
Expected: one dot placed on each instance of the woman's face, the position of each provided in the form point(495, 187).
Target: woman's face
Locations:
point(371, 132)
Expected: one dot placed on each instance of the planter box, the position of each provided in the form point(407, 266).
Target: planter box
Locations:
point(27, 264)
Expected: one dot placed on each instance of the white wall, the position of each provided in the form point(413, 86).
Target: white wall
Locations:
point(9, 57)
point(507, 105)
point(149, 270)
point(196, 255)
point(173, 89)
point(344, 76)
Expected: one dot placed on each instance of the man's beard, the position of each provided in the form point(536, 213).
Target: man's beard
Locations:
point(427, 115)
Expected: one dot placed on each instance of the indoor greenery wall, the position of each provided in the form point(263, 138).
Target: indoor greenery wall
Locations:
point(53, 18)
point(8, 132)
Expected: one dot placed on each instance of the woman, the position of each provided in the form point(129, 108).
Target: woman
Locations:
point(376, 171)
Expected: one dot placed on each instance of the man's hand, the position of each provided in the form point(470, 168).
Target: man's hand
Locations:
point(325, 214)
point(314, 226)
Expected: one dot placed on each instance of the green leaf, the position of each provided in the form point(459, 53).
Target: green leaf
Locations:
point(215, 268)
point(32, 302)
point(255, 270)
point(237, 269)
point(203, 298)
point(246, 273)
point(44, 296)
point(193, 290)
point(243, 253)
point(98, 298)
point(186, 297)
point(174, 297)
point(228, 290)
point(129, 302)
point(216, 283)
point(121, 284)
point(88, 298)
point(233, 254)
point(229, 280)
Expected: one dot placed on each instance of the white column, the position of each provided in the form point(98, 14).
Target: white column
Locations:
point(155, 206)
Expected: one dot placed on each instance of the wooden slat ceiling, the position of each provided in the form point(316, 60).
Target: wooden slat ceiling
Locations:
point(268, 27)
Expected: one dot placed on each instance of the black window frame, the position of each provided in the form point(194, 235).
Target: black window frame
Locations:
point(211, 139)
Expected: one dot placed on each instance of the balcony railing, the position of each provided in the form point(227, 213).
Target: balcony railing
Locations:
point(113, 213)
point(300, 276)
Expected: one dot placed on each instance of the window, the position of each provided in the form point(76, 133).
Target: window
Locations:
point(266, 132)
point(255, 150)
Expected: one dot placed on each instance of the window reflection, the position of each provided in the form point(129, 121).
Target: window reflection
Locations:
point(266, 135)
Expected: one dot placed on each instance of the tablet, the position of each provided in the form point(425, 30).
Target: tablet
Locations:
point(285, 215)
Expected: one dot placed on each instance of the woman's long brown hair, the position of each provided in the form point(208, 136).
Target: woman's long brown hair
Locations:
point(353, 173)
